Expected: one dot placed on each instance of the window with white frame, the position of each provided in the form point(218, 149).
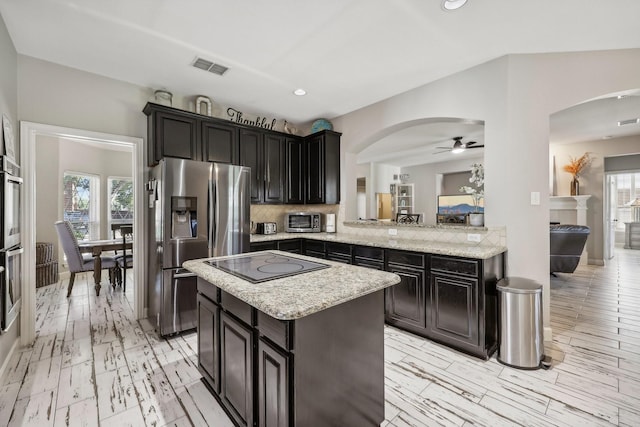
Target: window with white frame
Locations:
point(82, 204)
point(120, 191)
point(627, 190)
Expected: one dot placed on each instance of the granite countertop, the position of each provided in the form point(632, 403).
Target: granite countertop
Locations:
point(393, 224)
point(301, 295)
point(427, 246)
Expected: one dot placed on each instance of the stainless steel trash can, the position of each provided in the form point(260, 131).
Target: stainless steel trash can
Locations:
point(521, 332)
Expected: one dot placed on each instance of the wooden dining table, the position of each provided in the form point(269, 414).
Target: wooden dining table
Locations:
point(96, 247)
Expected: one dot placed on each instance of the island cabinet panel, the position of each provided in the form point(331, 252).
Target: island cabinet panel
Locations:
point(406, 303)
point(208, 341)
point(322, 163)
point(219, 143)
point(326, 368)
point(236, 369)
point(295, 175)
point(273, 386)
point(454, 309)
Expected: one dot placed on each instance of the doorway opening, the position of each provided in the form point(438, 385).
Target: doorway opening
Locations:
point(622, 191)
point(33, 134)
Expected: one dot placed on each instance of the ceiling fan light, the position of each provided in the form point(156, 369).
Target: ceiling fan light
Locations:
point(457, 150)
point(453, 4)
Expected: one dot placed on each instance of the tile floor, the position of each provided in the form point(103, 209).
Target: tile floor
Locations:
point(93, 365)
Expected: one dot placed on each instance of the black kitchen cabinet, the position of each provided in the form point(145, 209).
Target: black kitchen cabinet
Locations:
point(264, 154)
point(263, 246)
point(171, 134)
point(268, 366)
point(315, 248)
point(208, 341)
point(463, 303)
point(236, 369)
point(368, 256)
point(295, 176)
point(292, 245)
point(322, 163)
point(273, 386)
point(406, 303)
point(219, 143)
point(340, 252)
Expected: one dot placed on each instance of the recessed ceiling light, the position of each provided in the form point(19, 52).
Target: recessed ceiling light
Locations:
point(607, 137)
point(300, 92)
point(622, 96)
point(453, 4)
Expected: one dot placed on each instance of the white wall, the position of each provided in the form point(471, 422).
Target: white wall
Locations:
point(9, 107)
point(425, 178)
point(54, 157)
point(514, 96)
point(592, 182)
point(381, 177)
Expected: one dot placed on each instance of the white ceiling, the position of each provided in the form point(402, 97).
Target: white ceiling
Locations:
point(346, 53)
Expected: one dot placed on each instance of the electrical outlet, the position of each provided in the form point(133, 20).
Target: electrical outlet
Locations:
point(473, 237)
point(393, 232)
point(535, 198)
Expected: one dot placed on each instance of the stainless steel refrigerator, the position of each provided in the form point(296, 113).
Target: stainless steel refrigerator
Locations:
point(196, 210)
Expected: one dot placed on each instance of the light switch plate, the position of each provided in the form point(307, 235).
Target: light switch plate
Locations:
point(535, 198)
point(393, 232)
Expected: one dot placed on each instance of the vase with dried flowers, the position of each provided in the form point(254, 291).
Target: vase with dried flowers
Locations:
point(575, 167)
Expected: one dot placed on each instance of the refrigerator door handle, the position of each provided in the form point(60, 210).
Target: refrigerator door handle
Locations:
point(213, 207)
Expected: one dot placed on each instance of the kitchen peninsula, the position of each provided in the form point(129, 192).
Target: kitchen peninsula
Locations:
point(303, 350)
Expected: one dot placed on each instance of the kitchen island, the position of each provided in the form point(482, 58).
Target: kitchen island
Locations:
point(300, 350)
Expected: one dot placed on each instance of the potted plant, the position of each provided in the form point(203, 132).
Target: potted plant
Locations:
point(476, 218)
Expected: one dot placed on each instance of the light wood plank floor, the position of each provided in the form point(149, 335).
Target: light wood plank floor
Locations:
point(92, 365)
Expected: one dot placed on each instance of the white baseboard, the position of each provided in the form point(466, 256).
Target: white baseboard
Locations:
point(596, 261)
point(9, 356)
point(548, 334)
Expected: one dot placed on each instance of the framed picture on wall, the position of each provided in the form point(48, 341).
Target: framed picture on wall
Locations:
point(9, 148)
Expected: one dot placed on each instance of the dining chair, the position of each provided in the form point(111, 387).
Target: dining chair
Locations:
point(79, 263)
point(125, 260)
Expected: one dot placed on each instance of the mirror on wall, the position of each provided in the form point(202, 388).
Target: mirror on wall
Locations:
point(422, 155)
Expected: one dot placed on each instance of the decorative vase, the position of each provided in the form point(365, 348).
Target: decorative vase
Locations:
point(575, 186)
point(476, 219)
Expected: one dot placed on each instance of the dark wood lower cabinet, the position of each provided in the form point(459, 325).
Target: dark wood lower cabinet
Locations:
point(454, 309)
point(323, 369)
point(452, 300)
point(208, 351)
point(236, 369)
point(273, 386)
point(405, 303)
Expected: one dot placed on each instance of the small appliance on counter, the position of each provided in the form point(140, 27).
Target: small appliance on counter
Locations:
point(330, 223)
point(266, 228)
point(302, 222)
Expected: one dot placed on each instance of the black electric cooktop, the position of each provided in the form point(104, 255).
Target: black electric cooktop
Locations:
point(262, 267)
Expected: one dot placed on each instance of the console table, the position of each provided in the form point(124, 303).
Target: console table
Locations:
point(632, 235)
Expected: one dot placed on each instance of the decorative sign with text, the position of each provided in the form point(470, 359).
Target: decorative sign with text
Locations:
point(261, 122)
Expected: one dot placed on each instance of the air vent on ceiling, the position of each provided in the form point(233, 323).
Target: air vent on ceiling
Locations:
point(628, 122)
point(209, 66)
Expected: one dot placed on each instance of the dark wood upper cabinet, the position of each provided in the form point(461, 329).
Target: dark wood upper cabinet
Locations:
point(250, 142)
point(264, 154)
point(284, 168)
point(274, 166)
point(219, 143)
point(322, 163)
point(295, 177)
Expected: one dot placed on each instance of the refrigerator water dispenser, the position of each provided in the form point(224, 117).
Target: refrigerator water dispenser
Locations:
point(184, 217)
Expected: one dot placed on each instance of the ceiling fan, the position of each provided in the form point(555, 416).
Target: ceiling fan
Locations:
point(459, 146)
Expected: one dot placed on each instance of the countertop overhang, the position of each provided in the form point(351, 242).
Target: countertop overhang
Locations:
point(426, 246)
point(301, 295)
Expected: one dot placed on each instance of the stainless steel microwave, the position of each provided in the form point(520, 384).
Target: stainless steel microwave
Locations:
point(302, 222)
